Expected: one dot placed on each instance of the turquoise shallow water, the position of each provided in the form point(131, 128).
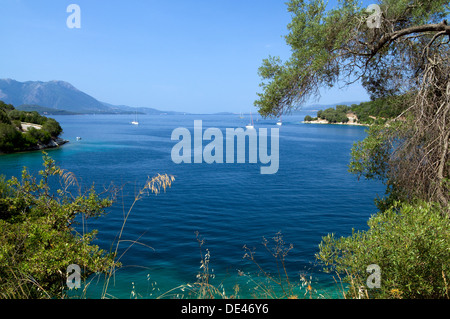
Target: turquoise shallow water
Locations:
point(230, 205)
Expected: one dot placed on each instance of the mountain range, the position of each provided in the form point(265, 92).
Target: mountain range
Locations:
point(60, 97)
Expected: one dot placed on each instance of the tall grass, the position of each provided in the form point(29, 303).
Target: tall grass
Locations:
point(153, 185)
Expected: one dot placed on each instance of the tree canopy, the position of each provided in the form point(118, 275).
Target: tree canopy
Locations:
point(40, 236)
point(406, 55)
point(340, 46)
point(12, 136)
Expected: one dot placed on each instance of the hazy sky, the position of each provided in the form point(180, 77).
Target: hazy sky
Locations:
point(184, 55)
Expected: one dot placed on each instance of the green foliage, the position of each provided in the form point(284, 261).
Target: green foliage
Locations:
point(329, 45)
point(314, 35)
point(382, 108)
point(337, 115)
point(370, 156)
point(52, 127)
point(41, 136)
point(403, 64)
point(11, 138)
point(29, 117)
point(410, 243)
point(371, 159)
point(38, 237)
point(378, 111)
point(6, 107)
point(4, 117)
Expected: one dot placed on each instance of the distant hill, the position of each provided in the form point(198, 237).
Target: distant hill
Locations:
point(43, 110)
point(125, 109)
point(58, 95)
point(61, 96)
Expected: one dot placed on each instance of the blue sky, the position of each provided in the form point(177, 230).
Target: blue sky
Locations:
point(198, 56)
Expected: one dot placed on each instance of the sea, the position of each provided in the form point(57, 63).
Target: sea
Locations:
point(254, 235)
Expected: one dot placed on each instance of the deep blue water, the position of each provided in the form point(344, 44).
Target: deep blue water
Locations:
point(230, 205)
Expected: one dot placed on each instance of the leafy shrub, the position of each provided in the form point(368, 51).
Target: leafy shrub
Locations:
point(10, 139)
point(4, 117)
point(41, 135)
point(38, 238)
point(52, 127)
point(410, 243)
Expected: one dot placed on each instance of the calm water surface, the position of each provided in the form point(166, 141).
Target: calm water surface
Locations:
point(228, 204)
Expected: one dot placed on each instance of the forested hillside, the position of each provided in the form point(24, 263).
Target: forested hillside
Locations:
point(22, 131)
point(371, 112)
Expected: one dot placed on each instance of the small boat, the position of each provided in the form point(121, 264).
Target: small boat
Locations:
point(135, 122)
point(250, 125)
point(78, 138)
point(280, 122)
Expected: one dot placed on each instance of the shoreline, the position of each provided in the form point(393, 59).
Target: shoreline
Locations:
point(54, 143)
point(340, 123)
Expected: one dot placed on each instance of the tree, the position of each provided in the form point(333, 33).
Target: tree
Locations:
point(10, 138)
point(41, 135)
point(52, 127)
point(406, 54)
point(6, 107)
point(4, 117)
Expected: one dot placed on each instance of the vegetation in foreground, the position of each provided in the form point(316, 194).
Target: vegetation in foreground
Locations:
point(38, 238)
point(407, 56)
point(42, 231)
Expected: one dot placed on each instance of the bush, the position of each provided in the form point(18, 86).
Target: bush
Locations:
point(6, 107)
point(41, 135)
point(4, 117)
point(17, 124)
point(10, 139)
point(52, 127)
point(338, 115)
point(410, 243)
point(38, 240)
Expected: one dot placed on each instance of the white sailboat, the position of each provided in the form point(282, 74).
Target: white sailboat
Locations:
point(135, 122)
point(280, 122)
point(250, 125)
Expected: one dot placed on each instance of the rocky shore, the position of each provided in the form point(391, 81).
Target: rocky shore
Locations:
point(54, 143)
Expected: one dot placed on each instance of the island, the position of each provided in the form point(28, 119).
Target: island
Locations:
point(377, 111)
point(27, 131)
